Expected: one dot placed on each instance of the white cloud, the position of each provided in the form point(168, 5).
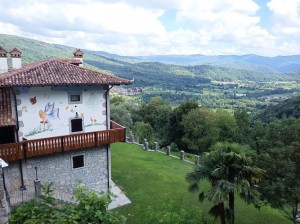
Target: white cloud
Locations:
point(9, 29)
point(286, 16)
point(286, 25)
point(133, 27)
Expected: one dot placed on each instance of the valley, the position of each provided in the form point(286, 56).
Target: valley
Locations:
point(229, 82)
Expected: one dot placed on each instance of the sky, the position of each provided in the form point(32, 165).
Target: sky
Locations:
point(159, 27)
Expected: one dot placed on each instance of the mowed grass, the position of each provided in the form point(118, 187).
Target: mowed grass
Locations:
point(152, 181)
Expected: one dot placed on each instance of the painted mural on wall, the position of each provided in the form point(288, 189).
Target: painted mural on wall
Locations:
point(46, 111)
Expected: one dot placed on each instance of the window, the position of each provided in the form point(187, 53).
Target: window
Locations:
point(75, 98)
point(77, 161)
point(76, 124)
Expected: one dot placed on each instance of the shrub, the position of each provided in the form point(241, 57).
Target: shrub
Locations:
point(91, 207)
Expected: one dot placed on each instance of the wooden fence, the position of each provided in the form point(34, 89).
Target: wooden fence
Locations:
point(45, 146)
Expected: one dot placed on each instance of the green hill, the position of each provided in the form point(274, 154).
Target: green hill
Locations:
point(234, 74)
point(34, 50)
point(250, 61)
point(153, 74)
point(146, 73)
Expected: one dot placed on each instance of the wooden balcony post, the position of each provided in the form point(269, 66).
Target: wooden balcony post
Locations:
point(24, 146)
point(21, 165)
point(96, 139)
point(124, 140)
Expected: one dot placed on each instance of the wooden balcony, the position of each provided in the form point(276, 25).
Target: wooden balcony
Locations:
point(45, 146)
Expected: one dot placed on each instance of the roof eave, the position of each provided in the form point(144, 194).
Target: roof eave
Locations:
point(64, 84)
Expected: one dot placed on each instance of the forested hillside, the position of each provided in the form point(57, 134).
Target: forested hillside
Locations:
point(151, 73)
point(287, 108)
point(251, 61)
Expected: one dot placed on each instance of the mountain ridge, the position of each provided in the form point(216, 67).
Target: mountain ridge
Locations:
point(150, 73)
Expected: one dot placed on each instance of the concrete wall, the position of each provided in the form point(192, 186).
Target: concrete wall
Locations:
point(46, 111)
point(57, 168)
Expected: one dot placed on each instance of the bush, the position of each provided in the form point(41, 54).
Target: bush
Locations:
point(91, 207)
point(174, 147)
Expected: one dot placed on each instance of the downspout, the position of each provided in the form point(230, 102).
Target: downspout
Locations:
point(107, 146)
point(17, 118)
point(17, 139)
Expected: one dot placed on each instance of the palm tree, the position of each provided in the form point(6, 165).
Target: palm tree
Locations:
point(229, 167)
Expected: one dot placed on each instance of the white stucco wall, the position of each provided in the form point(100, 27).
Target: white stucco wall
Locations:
point(45, 111)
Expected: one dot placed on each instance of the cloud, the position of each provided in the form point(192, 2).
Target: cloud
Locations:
point(134, 27)
point(286, 16)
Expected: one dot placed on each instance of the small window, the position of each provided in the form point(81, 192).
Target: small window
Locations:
point(76, 125)
point(78, 161)
point(75, 98)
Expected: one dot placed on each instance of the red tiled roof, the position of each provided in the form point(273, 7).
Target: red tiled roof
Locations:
point(6, 118)
point(57, 72)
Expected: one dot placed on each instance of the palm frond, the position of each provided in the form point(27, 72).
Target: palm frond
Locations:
point(194, 187)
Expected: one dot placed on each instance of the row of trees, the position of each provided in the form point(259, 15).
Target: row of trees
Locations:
point(257, 160)
point(188, 126)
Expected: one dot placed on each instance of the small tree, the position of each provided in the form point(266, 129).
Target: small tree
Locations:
point(200, 130)
point(120, 115)
point(230, 169)
point(143, 130)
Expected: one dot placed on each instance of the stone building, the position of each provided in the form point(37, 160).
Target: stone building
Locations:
point(55, 123)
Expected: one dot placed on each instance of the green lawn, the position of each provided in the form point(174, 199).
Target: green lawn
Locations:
point(155, 182)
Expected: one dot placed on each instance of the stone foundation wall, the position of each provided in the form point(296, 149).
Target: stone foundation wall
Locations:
point(3, 205)
point(57, 168)
point(12, 176)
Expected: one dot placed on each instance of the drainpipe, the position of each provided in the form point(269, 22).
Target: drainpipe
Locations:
point(107, 146)
point(17, 139)
point(17, 118)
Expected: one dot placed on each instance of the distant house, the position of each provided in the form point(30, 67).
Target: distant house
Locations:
point(55, 123)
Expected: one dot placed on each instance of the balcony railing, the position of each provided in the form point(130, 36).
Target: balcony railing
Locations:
point(45, 146)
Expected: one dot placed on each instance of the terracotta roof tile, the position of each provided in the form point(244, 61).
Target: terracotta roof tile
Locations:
point(57, 72)
point(6, 117)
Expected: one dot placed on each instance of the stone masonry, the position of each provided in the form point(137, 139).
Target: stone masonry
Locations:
point(3, 215)
point(57, 168)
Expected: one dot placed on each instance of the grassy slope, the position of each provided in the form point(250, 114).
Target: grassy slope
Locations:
point(153, 179)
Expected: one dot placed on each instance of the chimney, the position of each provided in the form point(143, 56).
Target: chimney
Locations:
point(3, 60)
point(78, 54)
point(15, 55)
